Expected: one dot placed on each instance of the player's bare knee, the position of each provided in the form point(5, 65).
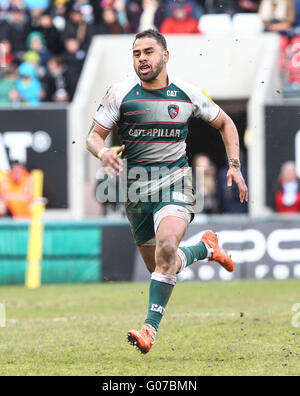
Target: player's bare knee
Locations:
point(166, 252)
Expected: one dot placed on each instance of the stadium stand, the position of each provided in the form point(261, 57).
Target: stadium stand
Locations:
point(64, 29)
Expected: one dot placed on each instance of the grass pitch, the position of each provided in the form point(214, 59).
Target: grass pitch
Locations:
point(236, 328)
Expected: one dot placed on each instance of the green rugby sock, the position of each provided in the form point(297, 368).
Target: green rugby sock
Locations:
point(161, 287)
point(192, 253)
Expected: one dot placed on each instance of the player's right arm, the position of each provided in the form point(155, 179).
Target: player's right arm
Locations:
point(95, 143)
point(105, 119)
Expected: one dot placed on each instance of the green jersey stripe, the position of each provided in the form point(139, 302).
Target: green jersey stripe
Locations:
point(156, 100)
point(156, 162)
point(154, 122)
point(153, 141)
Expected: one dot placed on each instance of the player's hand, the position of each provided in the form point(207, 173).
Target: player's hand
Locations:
point(112, 163)
point(235, 175)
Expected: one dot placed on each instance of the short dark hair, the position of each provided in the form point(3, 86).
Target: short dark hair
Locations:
point(57, 59)
point(152, 33)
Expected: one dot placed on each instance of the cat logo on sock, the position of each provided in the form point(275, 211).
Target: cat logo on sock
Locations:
point(158, 308)
point(173, 111)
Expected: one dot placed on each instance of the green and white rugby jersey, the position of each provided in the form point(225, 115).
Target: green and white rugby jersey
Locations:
point(153, 124)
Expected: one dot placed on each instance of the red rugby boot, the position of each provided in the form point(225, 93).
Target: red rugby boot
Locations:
point(143, 339)
point(219, 255)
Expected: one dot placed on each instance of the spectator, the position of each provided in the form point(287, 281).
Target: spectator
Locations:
point(287, 195)
point(28, 84)
point(205, 183)
point(180, 23)
point(17, 29)
point(59, 14)
point(8, 84)
point(110, 21)
point(56, 81)
point(120, 8)
point(228, 197)
point(6, 53)
point(278, 15)
point(193, 8)
point(35, 59)
point(134, 14)
point(36, 42)
point(248, 5)
point(77, 27)
point(74, 57)
point(86, 10)
point(17, 191)
point(50, 33)
point(152, 15)
point(145, 14)
point(111, 18)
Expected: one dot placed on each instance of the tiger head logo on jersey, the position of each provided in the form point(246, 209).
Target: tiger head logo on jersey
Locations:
point(173, 111)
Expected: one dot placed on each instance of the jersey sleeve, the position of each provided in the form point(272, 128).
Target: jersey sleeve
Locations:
point(204, 107)
point(108, 113)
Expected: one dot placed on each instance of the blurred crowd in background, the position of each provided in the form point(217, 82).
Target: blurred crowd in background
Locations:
point(219, 198)
point(43, 43)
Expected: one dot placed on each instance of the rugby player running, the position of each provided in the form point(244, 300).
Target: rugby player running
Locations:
point(152, 113)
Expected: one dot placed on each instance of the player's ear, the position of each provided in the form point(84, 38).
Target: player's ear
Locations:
point(166, 56)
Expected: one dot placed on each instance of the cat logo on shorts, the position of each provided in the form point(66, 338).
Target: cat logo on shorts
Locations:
point(173, 111)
